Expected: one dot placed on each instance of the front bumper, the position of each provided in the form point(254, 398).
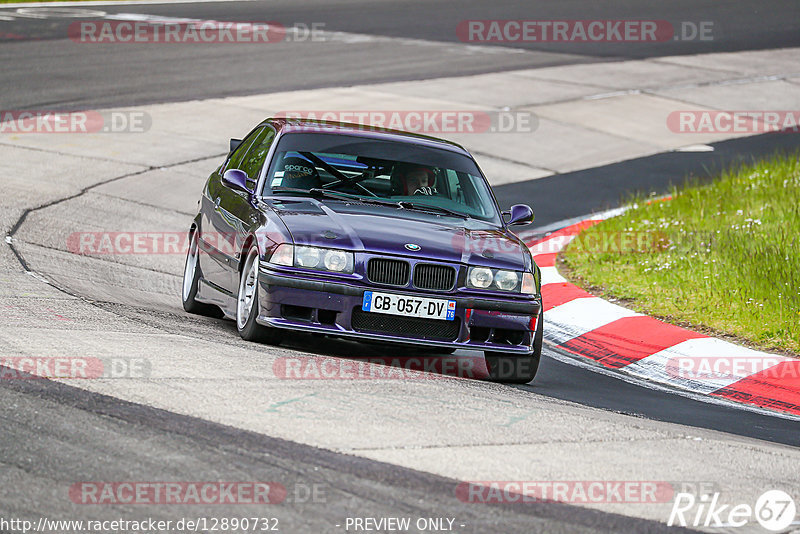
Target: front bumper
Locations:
point(332, 307)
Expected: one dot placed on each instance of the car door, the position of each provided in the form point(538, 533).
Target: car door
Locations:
point(236, 216)
point(218, 228)
point(240, 206)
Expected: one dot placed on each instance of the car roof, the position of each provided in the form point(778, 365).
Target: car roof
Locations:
point(301, 125)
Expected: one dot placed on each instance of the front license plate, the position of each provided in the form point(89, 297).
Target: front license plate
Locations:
point(409, 306)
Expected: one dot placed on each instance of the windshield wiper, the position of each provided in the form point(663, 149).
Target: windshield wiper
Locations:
point(420, 206)
point(319, 192)
point(339, 195)
point(350, 196)
point(316, 192)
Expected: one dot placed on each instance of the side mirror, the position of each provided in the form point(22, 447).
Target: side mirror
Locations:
point(235, 144)
point(520, 214)
point(236, 179)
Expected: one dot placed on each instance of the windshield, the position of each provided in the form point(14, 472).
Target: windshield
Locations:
point(404, 174)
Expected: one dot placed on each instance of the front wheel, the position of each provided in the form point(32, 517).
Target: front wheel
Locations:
point(247, 307)
point(516, 369)
point(191, 278)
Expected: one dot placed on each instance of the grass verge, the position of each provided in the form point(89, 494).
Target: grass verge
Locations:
point(722, 257)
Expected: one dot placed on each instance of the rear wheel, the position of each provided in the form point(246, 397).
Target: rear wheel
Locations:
point(191, 279)
point(247, 306)
point(516, 369)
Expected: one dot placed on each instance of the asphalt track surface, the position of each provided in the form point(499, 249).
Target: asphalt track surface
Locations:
point(199, 450)
point(110, 439)
point(41, 68)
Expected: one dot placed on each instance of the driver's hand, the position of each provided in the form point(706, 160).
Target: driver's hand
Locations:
point(425, 190)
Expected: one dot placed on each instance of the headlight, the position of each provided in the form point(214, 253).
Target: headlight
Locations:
point(307, 257)
point(336, 260)
point(500, 279)
point(323, 259)
point(480, 277)
point(506, 280)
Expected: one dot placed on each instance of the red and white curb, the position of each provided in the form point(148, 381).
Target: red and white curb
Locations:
point(632, 344)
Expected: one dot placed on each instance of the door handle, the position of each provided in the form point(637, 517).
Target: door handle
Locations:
point(216, 202)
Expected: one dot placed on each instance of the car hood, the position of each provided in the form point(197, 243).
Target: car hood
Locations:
point(387, 230)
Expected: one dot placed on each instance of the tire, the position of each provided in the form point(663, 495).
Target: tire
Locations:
point(191, 279)
point(247, 306)
point(516, 369)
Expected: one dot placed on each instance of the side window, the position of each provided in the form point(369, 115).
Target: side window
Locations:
point(254, 160)
point(235, 161)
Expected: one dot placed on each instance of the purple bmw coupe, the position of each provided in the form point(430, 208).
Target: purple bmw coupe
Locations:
point(367, 233)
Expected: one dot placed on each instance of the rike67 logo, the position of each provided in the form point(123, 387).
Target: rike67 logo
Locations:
point(774, 510)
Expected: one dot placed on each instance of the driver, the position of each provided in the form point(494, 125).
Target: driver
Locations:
point(418, 180)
